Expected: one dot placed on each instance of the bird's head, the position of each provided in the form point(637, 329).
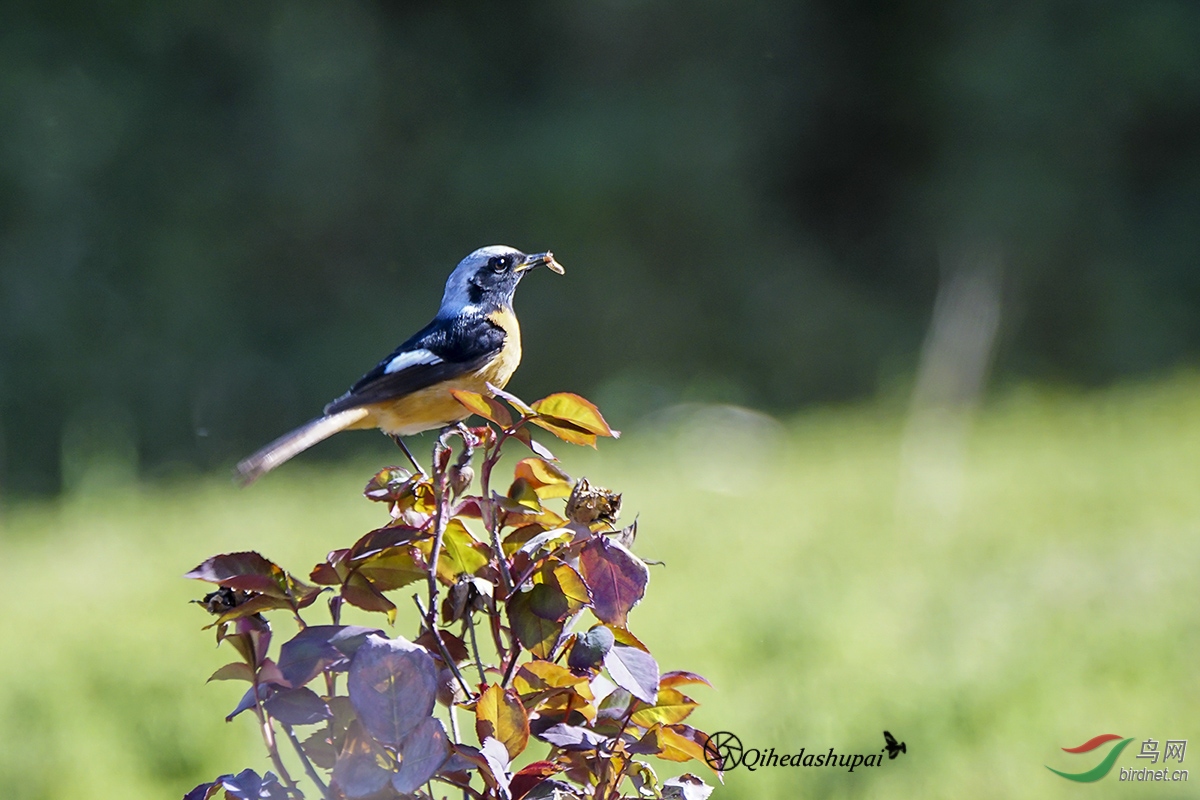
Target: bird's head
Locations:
point(486, 280)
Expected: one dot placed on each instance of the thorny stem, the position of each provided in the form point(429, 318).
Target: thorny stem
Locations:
point(430, 624)
point(469, 624)
point(308, 767)
point(268, 733)
point(439, 520)
point(490, 520)
point(512, 665)
point(467, 790)
point(494, 627)
point(616, 787)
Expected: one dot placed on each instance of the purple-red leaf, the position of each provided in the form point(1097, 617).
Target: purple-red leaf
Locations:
point(572, 737)
point(537, 447)
point(679, 677)
point(247, 571)
point(633, 670)
point(247, 701)
point(360, 771)
point(617, 579)
point(307, 653)
point(393, 686)
point(298, 707)
point(359, 591)
point(246, 785)
point(422, 754)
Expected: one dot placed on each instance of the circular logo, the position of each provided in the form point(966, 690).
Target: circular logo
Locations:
point(723, 750)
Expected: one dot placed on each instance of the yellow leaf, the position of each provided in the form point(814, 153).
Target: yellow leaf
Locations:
point(485, 407)
point(524, 494)
point(538, 675)
point(500, 714)
point(545, 478)
point(672, 706)
point(678, 748)
point(567, 431)
point(574, 409)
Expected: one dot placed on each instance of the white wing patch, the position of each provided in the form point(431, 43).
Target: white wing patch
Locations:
point(412, 358)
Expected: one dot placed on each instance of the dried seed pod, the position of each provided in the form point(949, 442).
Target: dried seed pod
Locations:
point(588, 504)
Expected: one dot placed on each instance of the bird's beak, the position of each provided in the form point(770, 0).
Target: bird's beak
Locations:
point(540, 260)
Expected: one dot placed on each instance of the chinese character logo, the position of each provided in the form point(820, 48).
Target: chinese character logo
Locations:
point(1175, 748)
point(1100, 770)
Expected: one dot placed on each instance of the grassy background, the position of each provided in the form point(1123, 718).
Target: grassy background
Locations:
point(831, 576)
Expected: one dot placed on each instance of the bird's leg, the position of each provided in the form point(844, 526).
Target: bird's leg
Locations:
point(400, 443)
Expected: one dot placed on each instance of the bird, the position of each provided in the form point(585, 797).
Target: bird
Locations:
point(892, 747)
point(472, 343)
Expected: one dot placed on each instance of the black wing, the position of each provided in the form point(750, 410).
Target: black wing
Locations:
point(438, 352)
point(891, 740)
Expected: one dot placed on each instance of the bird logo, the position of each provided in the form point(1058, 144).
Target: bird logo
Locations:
point(893, 747)
point(472, 341)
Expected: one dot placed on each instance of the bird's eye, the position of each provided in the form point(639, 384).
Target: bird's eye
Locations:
point(499, 263)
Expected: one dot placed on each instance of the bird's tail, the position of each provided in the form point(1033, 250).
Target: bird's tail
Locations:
point(296, 442)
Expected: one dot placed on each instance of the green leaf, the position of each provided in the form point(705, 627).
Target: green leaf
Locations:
point(537, 634)
point(461, 552)
point(590, 648)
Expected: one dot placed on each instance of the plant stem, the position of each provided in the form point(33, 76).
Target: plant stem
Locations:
point(268, 733)
point(489, 511)
point(469, 624)
point(308, 767)
point(616, 787)
point(467, 790)
point(430, 625)
point(512, 665)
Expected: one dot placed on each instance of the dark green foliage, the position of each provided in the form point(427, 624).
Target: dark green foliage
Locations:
point(521, 587)
point(212, 223)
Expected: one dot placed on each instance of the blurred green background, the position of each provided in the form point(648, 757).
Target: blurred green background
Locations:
point(895, 302)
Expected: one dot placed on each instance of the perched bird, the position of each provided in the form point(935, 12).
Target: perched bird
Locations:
point(474, 340)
